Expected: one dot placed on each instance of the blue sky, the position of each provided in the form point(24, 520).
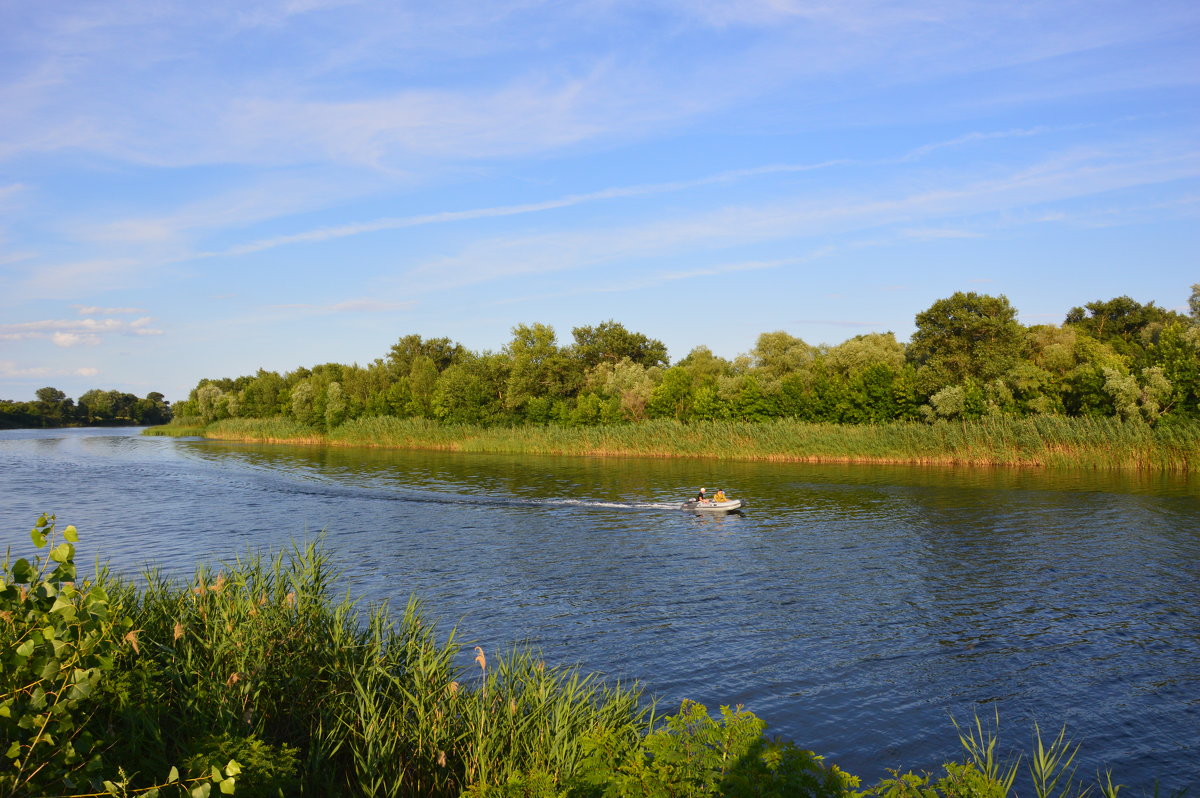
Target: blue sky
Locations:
point(195, 190)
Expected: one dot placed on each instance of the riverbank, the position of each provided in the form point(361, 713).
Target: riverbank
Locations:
point(1045, 441)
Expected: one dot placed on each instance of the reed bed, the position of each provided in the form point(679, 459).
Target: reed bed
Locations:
point(1051, 441)
point(257, 661)
point(178, 427)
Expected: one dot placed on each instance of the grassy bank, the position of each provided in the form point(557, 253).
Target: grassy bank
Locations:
point(254, 677)
point(1053, 441)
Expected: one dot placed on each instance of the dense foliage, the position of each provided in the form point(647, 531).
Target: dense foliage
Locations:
point(53, 408)
point(112, 689)
point(969, 358)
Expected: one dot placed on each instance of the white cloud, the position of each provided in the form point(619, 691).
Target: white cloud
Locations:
point(77, 332)
point(67, 340)
point(93, 310)
point(10, 370)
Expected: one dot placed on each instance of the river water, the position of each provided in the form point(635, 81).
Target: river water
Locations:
point(856, 609)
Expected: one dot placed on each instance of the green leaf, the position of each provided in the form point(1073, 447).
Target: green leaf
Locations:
point(63, 552)
point(151, 793)
point(201, 790)
point(227, 786)
point(63, 606)
point(13, 751)
point(23, 573)
point(216, 774)
point(39, 539)
point(25, 649)
point(111, 788)
point(233, 768)
point(71, 534)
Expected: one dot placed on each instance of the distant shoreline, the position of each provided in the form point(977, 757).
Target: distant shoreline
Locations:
point(1044, 441)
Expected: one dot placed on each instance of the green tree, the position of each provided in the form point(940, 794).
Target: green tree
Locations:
point(211, 403)
point(261, 397)
point(54, 406)
point(866, 351)
point(966, 337)
point(672, 398)
point(442, 351)
point(335, 405)
point(539, 368)
point(610, 342)
point(629, 383)
point(1178, 354)
point(154, 409)
point(471, 390)
point(303, 408)
point(1126, 325)
point(422, 378)
point(95, 406)
point(778, 354)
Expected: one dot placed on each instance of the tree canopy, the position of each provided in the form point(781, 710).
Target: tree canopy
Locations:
point(968, 357)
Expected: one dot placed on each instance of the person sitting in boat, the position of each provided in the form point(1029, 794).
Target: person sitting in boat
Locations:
point(720, 496)
point(701, 498)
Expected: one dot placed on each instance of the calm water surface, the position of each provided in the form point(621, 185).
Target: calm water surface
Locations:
point(854, 608)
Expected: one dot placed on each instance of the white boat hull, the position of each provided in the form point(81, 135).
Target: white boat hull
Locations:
point(712, 507)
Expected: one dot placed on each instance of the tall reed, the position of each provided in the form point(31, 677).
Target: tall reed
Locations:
point(378, 705)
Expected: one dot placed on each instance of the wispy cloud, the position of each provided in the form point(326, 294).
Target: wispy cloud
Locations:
point(349, 306)
point(11, 370)
point(69, 333)
point(1067, 176)
point(92, 310)
point(445, 217)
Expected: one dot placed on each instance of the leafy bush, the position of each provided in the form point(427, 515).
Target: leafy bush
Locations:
point(62, 640)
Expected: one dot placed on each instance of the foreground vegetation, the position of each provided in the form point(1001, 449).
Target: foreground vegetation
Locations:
point(1037, 441)
point(253, 680)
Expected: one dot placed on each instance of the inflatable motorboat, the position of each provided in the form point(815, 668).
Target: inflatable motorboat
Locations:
point(708, 506)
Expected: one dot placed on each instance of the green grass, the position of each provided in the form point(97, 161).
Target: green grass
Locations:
point(1053, 441)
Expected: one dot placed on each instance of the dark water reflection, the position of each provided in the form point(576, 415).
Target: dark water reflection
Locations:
point(855, 608)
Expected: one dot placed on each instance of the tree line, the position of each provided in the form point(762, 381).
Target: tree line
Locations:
point(968, 358)
point(53, 408)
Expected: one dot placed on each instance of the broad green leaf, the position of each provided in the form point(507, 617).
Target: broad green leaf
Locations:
point(173, 776)
point(201, 790)
point(227, 786)
point(51, 669)
point(233, 768)
point(13, 751)
point(151, 793)
point(111, 788)
point(23, 573)
point(25, 649)
point(39, 539)
point(63, 552)
point(216, 773)
point(71, 534)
